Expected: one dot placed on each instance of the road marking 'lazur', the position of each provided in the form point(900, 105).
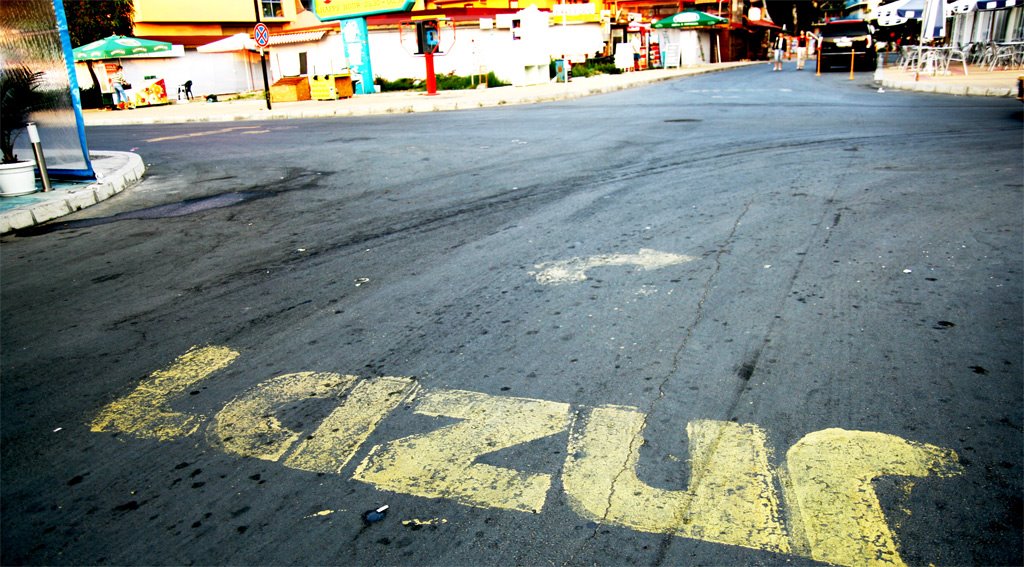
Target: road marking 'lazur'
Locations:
point(731, 498)
point(575, 270)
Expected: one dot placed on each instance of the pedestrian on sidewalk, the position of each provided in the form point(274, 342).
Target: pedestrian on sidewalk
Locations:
point(779, 47)
point(801, 50)
point(118, 83)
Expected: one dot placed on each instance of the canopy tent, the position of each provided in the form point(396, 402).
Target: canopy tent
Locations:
point(901, 11)
point(118, 46)
point(690, 19)
point(960, 6)
point(998, 4)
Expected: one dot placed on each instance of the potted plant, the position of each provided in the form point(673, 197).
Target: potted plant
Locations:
point(19, 96)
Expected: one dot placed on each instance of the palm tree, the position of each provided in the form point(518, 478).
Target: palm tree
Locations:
point(19, 97)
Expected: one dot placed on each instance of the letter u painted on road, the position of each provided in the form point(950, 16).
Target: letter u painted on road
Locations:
point(731, 498)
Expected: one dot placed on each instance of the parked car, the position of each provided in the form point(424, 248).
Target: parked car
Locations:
point(840, 37)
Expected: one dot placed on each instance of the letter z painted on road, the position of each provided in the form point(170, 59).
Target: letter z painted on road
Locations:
point(440, 464)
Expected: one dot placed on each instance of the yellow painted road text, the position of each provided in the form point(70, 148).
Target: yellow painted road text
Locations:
point(819, 503)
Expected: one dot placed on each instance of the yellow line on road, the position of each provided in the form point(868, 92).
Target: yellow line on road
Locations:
point(200, 134)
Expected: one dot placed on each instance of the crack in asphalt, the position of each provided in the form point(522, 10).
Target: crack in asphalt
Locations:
point(695, 478)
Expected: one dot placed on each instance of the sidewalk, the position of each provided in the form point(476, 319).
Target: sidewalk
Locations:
point(119, 170)
point(978, 81)
point(392, 102)
point(115, 172)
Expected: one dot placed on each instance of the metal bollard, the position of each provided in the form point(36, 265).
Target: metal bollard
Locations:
point(37, 149)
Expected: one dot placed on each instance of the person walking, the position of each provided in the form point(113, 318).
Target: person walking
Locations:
point(118, 83)
point(779, 47)
point(801, 50)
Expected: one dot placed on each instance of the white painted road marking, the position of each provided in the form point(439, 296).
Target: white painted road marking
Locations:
point(575, 270)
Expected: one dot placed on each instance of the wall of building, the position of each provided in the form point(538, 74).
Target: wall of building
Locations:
point(210, 73)
point(477, 51)
point(219, 11)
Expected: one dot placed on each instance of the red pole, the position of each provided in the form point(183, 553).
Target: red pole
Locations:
point(431, 77)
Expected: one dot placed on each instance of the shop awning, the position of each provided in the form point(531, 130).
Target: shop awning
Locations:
point(762, 24)
point(237, 42)
point(912, 10)
point(301, 37)
point(960, 6)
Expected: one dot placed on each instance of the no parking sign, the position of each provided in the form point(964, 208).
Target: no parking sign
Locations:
point(261, 34)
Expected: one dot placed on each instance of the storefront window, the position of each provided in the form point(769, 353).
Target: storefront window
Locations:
point(272, 8)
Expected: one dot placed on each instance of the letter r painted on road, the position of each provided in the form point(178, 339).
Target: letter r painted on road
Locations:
point(833, 501)
point(145, 413)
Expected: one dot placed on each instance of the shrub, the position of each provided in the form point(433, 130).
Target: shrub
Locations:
point(449, 82)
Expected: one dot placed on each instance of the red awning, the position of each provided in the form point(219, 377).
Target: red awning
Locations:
point(761, 24)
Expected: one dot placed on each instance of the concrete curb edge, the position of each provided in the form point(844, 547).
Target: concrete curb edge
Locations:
point(61, 202)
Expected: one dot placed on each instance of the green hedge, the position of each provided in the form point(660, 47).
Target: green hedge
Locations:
point(444, 83)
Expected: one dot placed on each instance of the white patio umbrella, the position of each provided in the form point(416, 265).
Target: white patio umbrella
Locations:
point(898, 12)
point(933, 22)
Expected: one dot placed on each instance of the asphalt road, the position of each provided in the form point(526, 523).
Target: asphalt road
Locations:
point(741, 318)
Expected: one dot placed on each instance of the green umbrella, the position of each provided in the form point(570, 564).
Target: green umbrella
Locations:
point(117, 46)
point(690, 19)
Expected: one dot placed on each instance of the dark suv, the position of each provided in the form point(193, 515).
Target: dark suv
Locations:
point(840, 37)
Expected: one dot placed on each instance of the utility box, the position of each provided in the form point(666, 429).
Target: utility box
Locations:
point(290, 89)
point(331, 87)
point(527, 60)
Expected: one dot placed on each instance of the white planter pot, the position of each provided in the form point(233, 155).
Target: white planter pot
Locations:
point(17, 178)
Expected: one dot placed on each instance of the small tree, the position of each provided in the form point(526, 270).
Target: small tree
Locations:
point(19, 97)
point(89, 20)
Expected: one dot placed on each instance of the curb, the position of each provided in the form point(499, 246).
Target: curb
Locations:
point(60, 202)
point(942, 88)
point(416, 104)
point(956, 90)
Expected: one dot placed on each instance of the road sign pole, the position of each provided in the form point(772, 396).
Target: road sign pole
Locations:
point(266, 81)
point(261, 35)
